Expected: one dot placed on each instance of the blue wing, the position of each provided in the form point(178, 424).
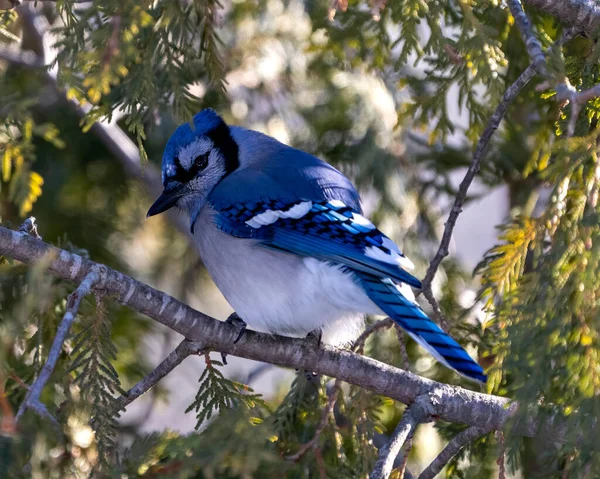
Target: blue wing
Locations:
point(327, 230)
point(279, 171)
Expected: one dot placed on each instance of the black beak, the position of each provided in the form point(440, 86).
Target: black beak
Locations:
point(166, 200)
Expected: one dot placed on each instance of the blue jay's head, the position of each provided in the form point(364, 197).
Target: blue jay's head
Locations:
point(196, 158)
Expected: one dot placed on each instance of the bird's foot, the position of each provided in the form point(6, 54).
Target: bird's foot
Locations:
point(239, 323)
point(317, 335)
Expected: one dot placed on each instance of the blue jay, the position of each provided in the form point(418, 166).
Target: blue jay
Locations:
point(283, 237)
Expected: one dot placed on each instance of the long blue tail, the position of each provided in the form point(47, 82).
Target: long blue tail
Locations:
point(385, 294)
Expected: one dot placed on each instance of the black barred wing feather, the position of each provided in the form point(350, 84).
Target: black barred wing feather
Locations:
point(326, 230)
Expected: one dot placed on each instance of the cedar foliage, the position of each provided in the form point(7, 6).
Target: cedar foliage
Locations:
point(151, 65)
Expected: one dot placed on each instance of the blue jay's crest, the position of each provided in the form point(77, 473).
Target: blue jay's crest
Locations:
point(206, 126)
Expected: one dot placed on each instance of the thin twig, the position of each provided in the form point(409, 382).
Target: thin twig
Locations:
point(501, 461)
point(534, 48)
point(403, 353)
point(454, 446)
point(480, 150)
point(320, 464)
point(359, 344)
point(8, 425)
point(17, 3)
point(257, 372)
point(418, 412)
point(313, 443)
point(32, 399)
point(404, 460)
point(113, 42)
point(183, 350)
point(142, 418)
point(339, 441)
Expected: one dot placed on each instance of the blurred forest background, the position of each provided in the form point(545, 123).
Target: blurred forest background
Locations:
point(395, 95)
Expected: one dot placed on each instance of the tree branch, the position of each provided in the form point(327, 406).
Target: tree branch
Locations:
point(418, 412)
point(482, 146)
point(32, 399)
point(584, 15)
point(454, 446)
point(183, 350)
point(509, 96)
point(23, 59)
point(534, 48)
point(449, 403)
point(564, 90)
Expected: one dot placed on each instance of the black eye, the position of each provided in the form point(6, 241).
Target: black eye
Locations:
point(201, 162)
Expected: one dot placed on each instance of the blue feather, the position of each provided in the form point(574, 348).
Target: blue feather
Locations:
point(281, 172)
point(321, 233)
point(411, 318)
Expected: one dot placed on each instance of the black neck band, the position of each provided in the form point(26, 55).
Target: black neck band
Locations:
point(224, 142)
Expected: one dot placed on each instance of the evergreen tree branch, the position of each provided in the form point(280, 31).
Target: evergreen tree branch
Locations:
point(448, 403)
point(417, 413)
point(183, 350)
point(111, 135)
point(454, 446)
point(564, 90)
point(509, 96)
point(313, 443)
point(482, 146)
point(32, 399)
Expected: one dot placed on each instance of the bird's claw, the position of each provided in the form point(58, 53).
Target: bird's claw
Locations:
point(239, 323)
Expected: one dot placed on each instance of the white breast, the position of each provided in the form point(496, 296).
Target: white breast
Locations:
point(282, 293)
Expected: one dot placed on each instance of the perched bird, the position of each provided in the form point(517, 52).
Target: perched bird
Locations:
point(282, 234)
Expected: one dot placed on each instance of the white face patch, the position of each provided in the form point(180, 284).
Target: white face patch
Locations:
point(188, 153)
point(271, 216)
